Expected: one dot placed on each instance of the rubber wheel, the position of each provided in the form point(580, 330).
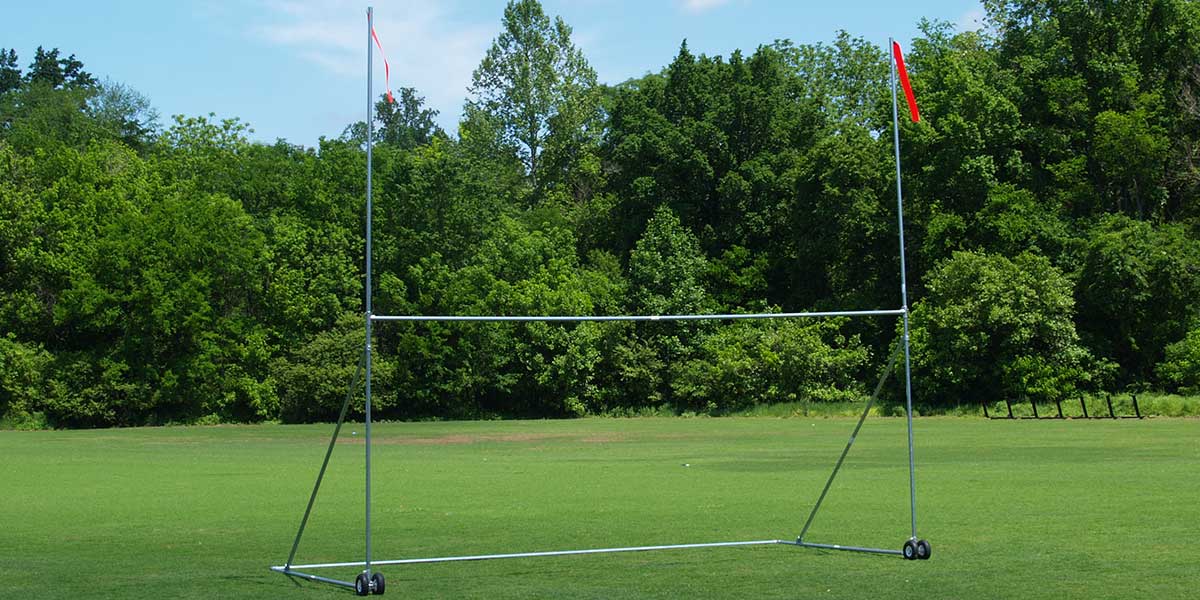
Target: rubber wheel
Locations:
point(377, 583)
point(923, 550)
point(910, 550)
point(362, 585)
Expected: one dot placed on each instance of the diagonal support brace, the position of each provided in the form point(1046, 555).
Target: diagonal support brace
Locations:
point(866, 410)
point(328, 452)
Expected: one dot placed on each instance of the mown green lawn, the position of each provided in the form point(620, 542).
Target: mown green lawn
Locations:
point(1014, 509)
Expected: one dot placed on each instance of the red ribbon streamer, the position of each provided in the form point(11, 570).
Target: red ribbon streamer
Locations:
point(908, 91)
point(387, 70)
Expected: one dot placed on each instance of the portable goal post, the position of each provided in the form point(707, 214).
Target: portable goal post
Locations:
point(371, 581)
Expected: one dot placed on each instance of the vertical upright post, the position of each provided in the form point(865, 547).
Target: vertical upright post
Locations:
point(367, 293)
point(1083, 404)
point(912, 479)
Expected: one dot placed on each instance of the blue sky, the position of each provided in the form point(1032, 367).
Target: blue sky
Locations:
point(295, 69)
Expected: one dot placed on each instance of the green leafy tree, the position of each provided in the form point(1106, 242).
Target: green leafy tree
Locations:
point(10, 71)
point(27, 383)
point(536, 91)
point(666, 277)
point(405, 123)
point(50, 70)
point(430, 201)
point(666, 269)
point(524, 266)
point(126, 112)
point(967, 142)
point(1098, 78)
point(843, 79)
point(993, 327)
point(312, 376)
point(1180, 368)
point(1137, 292)
point(765, 362)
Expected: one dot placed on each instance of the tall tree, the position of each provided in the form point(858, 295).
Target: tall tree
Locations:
point(125, 111)
point(10, 73)
point(1109, 91)
point(48, 68)
point(535, 88)
point(406, 123)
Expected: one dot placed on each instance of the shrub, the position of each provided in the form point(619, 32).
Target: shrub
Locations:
point(765, 362)
point(991, 326)
point(25, 384)
point(1181, 370)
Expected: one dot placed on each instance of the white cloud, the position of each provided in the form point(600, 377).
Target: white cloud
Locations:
point(427, 48)
point(699, 6)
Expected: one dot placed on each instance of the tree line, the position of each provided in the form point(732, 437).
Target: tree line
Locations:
point(156, 273)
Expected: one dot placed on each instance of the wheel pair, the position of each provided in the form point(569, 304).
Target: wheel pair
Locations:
point(365, 587)
point(917, 550)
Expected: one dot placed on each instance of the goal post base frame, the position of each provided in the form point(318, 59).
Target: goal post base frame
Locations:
point(310, 577)
point(293, 570)
point(803, 544)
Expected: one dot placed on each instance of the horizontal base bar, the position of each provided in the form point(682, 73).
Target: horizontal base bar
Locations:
point(846, 548)
point(410, 561)
point(311, 577)
point(546, 318)
point(292, 572)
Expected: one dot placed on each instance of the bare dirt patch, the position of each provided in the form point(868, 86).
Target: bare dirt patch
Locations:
point(462, 439)
point(459, 439)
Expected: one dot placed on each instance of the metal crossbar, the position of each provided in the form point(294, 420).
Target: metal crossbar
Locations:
point(580, 318)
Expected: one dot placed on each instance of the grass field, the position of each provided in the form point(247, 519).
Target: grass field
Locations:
point(1014, 509)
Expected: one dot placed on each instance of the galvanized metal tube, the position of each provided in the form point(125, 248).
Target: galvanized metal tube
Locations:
point(577, 318)
point(912, 477)
point(311, 577)
point(367, 292)
point(411, 561)
point(325, 463)
point(849, 548)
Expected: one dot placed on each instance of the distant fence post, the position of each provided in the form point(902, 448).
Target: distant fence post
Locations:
point(1058, 403)
point(1083, 404)
point(1108, 398)
point(1137, 411)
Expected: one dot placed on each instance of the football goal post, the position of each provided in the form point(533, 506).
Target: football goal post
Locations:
point(370, 581)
